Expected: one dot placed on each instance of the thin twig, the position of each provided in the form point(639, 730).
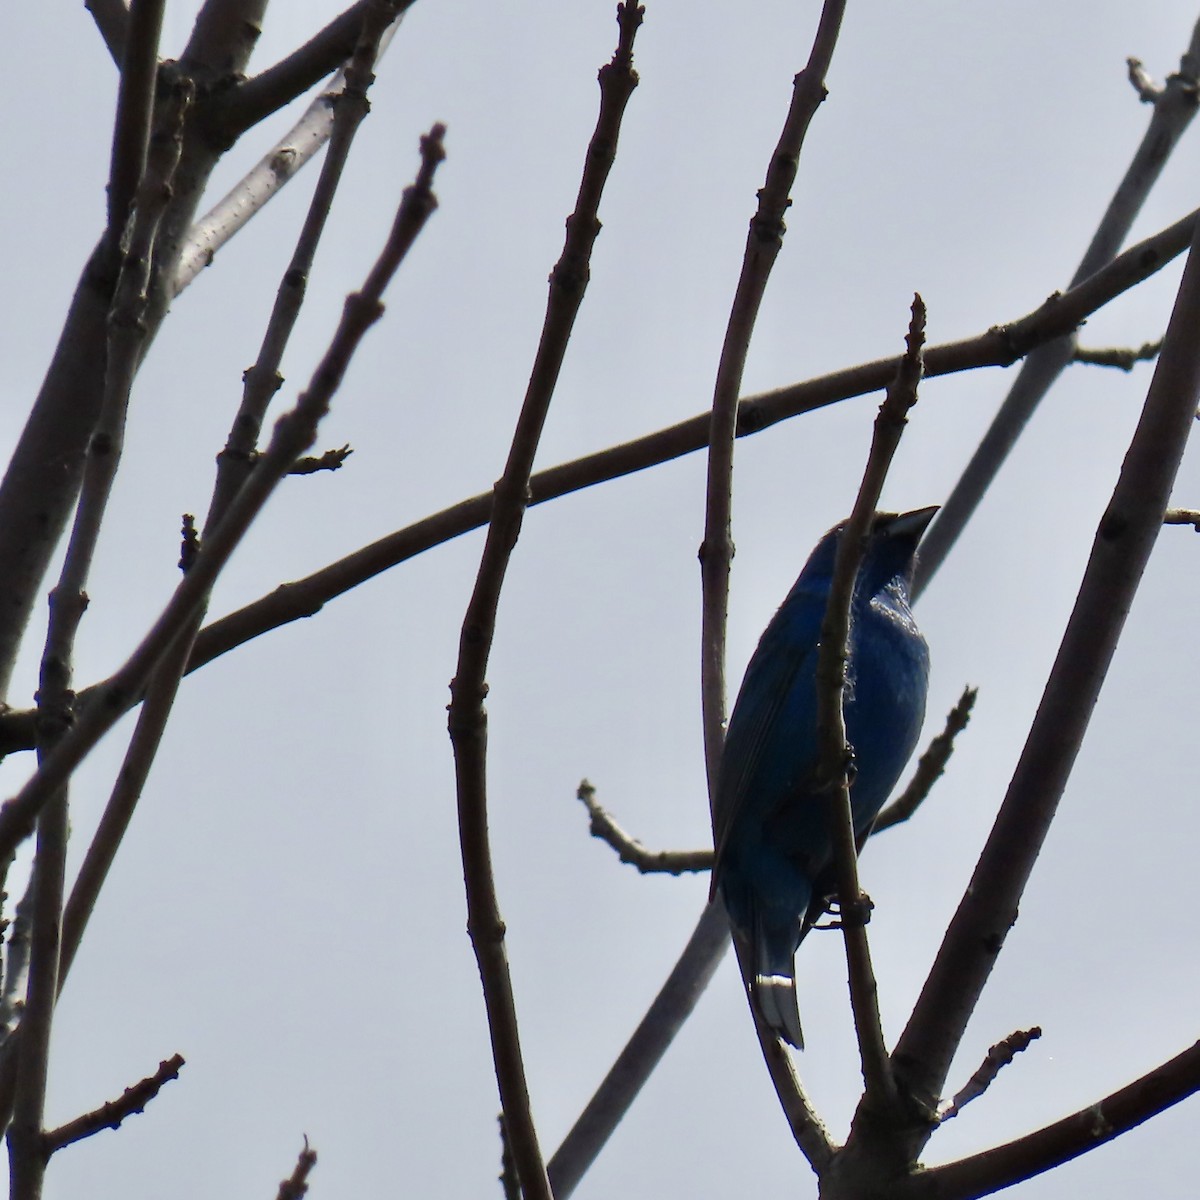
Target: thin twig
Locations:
point(135, 110)
point(294, 433)
point(1122, 546)
point(273, 171)
point(68, 600)
point(265, 93)
point(929, 767)
point(997, 1058)
point(1055, 1144)
point(1183, 516)
point(834, 762)
point(1174, 108)
point(763, 243)
point(328, 460)
point(296, 1185)
point(110, 1115)
point(1142, 82)
point(1124, 358)
point(649, 862)
point(467, 718)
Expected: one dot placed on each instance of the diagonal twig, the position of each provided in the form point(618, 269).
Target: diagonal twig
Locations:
point(273, 171)
point(997, 1058)
point(132, 1100)
point(294, 433)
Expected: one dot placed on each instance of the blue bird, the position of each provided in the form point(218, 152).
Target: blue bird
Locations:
point(773, 864)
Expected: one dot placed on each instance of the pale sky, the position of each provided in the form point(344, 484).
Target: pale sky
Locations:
point(287, 911)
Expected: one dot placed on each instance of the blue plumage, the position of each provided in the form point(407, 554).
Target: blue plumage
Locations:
point(770, 824)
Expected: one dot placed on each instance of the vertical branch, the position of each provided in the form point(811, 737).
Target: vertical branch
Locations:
point(832, 656)
point(1122, 545)
point(135, 110)
point(235, 463)
point(467, 718)
point(27, 1162)
point(1174, 108)
point(41, 483)
point(763, 243)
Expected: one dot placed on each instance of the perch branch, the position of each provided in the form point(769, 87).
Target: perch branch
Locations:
point(832, 742)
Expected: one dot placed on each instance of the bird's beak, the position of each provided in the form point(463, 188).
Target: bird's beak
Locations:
point(912, 524)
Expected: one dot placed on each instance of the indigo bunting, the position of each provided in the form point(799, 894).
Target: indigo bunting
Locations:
point(774, 857)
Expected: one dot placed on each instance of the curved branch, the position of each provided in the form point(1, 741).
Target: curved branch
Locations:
point(1055, 1144)
point(467, 719)
point(999, 346)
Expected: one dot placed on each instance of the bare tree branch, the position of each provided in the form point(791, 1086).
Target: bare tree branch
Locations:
point(132, 1100)
point(1050, 1147)
point(676, 999)
point(763, 243)
point(999, 346)
point(649, 862)
point(257, 98)
point(135, 110)
point(1183, 516)
point(468, 720)
point(295, 1187)
point(1123, 542)
point(997, 1058)
point(327, 460)
point(294, 433)
point(1141, 81)
point(112, 20)
point(833, 744)
point(1124, 358)
point(264, 181)
point(1174, 108)
point(43, 476)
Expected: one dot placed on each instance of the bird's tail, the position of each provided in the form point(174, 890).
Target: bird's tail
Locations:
point(775, 997)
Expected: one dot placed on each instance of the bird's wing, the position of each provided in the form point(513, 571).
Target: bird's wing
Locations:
point(787, 650)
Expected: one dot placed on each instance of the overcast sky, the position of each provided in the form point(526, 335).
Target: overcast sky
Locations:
point(287, 911)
